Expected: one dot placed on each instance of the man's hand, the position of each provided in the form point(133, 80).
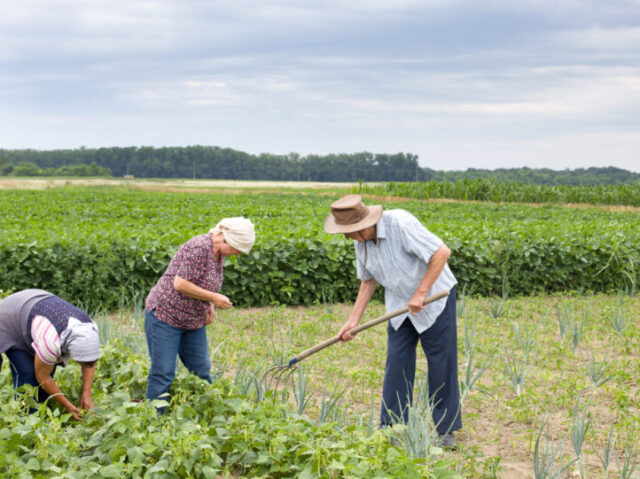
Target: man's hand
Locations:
point(344, 334)
point(211, 315)
point(416, 304)
point(221, 301)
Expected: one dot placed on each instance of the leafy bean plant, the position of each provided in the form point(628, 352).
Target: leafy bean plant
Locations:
point(208, 431)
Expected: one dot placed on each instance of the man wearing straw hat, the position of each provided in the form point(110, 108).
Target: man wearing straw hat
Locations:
point(395, 250)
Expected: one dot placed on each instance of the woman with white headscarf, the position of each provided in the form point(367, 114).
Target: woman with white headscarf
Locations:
point(38, 331)
point(184, 299)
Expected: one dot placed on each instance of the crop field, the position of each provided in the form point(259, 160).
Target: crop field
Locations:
point(484, 189)
point(548, 341)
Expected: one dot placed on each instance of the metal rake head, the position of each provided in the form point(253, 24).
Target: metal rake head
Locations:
point(276, 376)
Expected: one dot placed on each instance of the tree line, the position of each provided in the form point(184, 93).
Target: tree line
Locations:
point(213, 162)
point(543, 176)
point(223, 163)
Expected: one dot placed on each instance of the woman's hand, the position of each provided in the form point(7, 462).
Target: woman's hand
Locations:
point(74, 411)
point(220, 301)
point(86, 402)
point(211, 315)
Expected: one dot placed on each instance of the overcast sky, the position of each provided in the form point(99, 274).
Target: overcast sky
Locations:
point(461, 83)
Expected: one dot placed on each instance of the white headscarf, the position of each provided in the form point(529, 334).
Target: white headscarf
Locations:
point(80, 341)
point(238, 232)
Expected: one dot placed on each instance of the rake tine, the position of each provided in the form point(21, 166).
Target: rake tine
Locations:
point(276, 375)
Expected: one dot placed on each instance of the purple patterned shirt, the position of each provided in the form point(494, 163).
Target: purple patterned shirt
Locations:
point(193, 262)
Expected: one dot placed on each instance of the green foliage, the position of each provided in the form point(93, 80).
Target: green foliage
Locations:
point(215, 162)
point(488, 189)
point(542, 176)
point(209, 431)
point(96, 246)
point(31, 169)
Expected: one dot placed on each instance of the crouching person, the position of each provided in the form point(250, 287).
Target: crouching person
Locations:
point(39, 331)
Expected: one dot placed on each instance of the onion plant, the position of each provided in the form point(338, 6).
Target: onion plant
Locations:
point(472, 374)
point(577, 329)
point(516, 370)
point(468, 340)
point(526, 338)
point(497, 305)
point(330, 404)
point(597, 371)
point(618, 319)
point(564, 315)
point(579, 428)
point(418, 437)
point(609, 451)
point(629, 461)
point(300, 385)
point(245, 380)
point(547, 457)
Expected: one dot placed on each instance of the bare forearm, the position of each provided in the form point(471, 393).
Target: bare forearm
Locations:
point(87, 380)
point(436, 265)
point(365, 293)
point(192, 290)
point(51, 388)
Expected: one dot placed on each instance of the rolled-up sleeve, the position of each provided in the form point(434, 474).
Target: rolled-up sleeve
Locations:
point(46, 342)
point(418, 240)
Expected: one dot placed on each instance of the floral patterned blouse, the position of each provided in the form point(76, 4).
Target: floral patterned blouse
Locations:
point(193, 262)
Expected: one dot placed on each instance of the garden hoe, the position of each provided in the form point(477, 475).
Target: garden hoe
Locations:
point(279, 374)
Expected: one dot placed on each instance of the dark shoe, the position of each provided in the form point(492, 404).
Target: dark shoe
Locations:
point(447, 441)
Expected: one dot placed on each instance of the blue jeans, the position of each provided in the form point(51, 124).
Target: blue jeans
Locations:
point(440, 345)
point(23, 371)
point(165, 344)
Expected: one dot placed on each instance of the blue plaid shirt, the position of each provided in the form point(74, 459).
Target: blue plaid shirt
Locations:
point(399, 261)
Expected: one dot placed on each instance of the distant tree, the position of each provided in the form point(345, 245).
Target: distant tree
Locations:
point(5, 166)
point(26, 168)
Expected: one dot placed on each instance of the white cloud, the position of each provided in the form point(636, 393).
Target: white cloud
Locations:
point(323, 76)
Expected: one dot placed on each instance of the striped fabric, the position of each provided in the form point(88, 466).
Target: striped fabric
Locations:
point(46, 341)
point(399, 261)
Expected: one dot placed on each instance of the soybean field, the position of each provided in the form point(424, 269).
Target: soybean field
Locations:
point(547, 338)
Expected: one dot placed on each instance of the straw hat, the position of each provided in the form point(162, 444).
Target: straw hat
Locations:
point(349, 214)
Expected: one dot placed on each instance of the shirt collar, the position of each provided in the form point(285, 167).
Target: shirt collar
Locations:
point(381, 232)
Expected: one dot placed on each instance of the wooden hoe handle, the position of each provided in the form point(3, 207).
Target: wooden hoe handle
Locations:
point(362, 327)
